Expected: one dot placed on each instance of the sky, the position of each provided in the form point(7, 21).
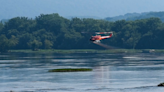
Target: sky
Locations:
point(71, 8)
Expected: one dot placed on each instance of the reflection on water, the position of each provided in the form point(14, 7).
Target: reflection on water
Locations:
point(111, 72)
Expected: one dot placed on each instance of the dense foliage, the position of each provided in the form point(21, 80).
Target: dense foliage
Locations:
point(53, 31)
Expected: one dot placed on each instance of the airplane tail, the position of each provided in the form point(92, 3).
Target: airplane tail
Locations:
point(111, 35)
point(105, 37)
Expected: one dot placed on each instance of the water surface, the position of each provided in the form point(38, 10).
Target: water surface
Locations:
point(141, 72)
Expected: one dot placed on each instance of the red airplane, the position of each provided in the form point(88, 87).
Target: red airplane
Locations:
point(97, 38)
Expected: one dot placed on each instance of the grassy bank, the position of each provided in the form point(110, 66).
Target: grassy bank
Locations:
point(79, 51)
point(71, 70)
point(161, 85)
point(91, 51)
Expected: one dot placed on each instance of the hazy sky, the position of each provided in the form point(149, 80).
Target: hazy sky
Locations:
point(67, 8)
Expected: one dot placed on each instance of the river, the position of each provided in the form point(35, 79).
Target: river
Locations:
point(28, 72)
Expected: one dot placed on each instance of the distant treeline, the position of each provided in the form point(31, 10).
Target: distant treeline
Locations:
point(51, 31)
point(137, 16)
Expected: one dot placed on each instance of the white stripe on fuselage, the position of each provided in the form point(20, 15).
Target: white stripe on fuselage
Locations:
point(105, 37)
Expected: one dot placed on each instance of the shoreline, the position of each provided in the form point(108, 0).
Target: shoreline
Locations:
point(69, 51)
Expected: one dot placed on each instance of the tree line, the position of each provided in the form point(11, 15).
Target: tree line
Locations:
point(52, 31)
point(137, 16)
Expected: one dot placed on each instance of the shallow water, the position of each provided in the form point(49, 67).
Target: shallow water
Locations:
point(22, 72)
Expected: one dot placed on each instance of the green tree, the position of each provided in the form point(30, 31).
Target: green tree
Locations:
point(1, 27)
point(13, 41)
point(21, 24)
point(149, 30)
point(51, 22)
point(35, 44)
point(6, 44)
point(47, 44)
point(133, 39)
